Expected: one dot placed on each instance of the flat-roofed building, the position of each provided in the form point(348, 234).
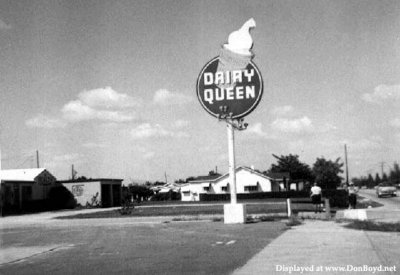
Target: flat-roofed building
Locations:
point(102, 192)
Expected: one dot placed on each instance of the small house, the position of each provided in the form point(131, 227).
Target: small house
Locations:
point(248, 180)
point(22, 187)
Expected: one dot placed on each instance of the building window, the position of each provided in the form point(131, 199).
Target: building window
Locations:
point(206, 188)
point(251, 188)
point(224, 188)
point(186, 194)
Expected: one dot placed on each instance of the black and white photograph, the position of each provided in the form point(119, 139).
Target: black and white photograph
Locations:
point(199, 137)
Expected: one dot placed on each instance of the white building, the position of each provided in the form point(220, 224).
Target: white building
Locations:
point(247, 181)
point(95, 192)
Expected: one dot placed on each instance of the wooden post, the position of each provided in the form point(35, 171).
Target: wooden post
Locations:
point(289, 207)
point(327, 209)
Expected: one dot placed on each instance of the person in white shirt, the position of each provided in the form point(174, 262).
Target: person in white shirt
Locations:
point(316, 197)
point(352, 190)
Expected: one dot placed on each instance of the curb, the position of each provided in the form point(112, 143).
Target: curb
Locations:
point(369, 214)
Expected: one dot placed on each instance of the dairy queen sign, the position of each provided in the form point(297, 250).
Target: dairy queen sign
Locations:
point(230, 87)
point(235, 93)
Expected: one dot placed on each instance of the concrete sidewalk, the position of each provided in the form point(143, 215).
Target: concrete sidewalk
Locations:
point(322, 247)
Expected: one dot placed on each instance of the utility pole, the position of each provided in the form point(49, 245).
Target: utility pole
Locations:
point(73, 172)
point(382, 163)
point(166, 180)
point(347, 166)
point(37, 158)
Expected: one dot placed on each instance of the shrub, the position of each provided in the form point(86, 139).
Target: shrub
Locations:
point(61, 198)
point(126, 208)
point(337, 197)
point(256, 195)
point(168, 196)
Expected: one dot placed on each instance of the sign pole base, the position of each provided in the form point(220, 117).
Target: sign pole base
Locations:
point(234, 213)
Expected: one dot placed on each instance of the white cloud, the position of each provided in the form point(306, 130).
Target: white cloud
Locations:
point(107, 98)
point(78, 111)
point(99, 104)
point(146, 130)
point(4, 25)
point(281, 110)
point(296, 146)
point(257, 130)
point(292, 125)
point(180, 123)
point(165, 97)
point(42, 121)
point(366, 144)
point(148, 155)
point(395, 122)
point(327, 128)
point(95, 104)
point(382, 93)
point(94, 145)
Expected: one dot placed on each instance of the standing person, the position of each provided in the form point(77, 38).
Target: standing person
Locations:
point(316, 197)
point(352, 196)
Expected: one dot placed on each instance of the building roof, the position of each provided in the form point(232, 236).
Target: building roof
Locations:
point(89, 180)
point(205, 178)
point(215, 179)
point(21, 174)
point(279, 176)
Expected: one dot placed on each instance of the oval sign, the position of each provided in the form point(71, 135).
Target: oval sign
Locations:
point(235, 93)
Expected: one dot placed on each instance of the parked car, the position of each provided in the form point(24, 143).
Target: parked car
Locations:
point(385, 189)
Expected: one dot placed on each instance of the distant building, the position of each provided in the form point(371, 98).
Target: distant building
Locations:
point(95, 192)
point(21, 187)
point(168, 187)
point(248, 180)
point(283, 178)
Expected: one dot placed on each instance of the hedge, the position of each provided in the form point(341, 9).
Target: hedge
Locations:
point(256, 195)
point(168, 196)
point(337, 198)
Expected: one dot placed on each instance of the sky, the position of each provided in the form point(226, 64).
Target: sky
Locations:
point(110, 86)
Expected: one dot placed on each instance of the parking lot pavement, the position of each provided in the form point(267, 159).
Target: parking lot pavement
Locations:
point(326, 247)
point(127, 246)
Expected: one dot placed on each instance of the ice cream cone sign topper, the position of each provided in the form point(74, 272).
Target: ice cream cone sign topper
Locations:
point(230, 85)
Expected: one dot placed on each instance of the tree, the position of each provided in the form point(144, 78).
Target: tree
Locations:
point(357, 182)
point(291, 163)
point(140, 191)
point(395, 173)
point(370, 181)
point(327, 172)
point(377, 179)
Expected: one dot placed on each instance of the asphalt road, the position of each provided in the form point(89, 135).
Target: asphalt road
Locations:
point(129, 246)
point(392, 203)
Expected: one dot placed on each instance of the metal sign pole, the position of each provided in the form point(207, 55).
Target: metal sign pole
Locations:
point(232, 165)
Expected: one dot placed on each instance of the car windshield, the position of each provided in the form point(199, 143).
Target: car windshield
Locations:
point(385, 184)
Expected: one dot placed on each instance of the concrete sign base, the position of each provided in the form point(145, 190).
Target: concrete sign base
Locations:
point(234, 213)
